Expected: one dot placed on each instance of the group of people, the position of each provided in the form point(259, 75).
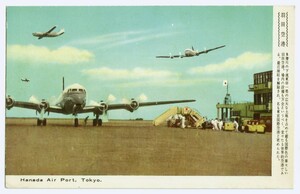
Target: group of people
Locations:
point(176, 120)
point(218, 125)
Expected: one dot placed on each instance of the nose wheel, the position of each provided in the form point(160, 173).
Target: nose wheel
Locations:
point(76, 122)
point(42, 122)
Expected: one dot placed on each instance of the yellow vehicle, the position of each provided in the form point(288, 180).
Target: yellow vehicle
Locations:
point(255, 126)
point(229, 126)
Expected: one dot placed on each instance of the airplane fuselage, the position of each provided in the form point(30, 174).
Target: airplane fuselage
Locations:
point(190, 53)
point(73, 99)
point(51, 34)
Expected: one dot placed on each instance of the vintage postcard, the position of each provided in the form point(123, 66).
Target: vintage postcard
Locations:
point(154, 96)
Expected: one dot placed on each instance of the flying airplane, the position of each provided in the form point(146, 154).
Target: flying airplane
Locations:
point(48, 33)
point(190, 53)
point(25, 80)
point(73, 101)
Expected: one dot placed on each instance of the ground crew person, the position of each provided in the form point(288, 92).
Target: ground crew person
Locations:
point(236, 126)
point(220, 125)
point(85, 120)
point(214, 123)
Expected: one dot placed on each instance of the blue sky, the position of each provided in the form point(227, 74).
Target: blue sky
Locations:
point(111, 51)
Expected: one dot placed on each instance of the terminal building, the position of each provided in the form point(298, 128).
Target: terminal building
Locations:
point(261, 107)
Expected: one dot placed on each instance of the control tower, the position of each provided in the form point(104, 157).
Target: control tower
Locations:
point(224, 110)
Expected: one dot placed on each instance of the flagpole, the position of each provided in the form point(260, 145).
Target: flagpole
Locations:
point(227, 88)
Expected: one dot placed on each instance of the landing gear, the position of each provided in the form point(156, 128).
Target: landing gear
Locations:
point(41, 122)
point(97, 122)
point(76, 122)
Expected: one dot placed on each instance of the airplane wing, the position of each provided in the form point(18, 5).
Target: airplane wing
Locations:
point(131, 106)
point(51, 29)
point(171, 56)
point(20, 104)
point(38, 106)
point(206, 51)
point(44, 106)
point(163, 56)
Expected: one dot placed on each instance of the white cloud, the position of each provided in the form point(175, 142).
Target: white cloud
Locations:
point(105, 38)
point(121, 38)
point(106, 73)
point(31, 54)
point(245, 61)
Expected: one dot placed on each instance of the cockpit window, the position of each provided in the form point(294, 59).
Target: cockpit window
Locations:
point(81, 90)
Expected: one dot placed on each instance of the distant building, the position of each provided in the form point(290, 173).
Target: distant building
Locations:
point(262, 89)
point(259, 109)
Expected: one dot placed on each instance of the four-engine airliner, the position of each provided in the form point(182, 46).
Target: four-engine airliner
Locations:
point(190, 53)
point(73, 101)
point(49, 33)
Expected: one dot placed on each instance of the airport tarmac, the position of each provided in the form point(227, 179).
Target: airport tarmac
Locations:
point(131, 148)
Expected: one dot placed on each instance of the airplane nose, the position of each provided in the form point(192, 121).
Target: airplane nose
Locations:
point(79, 100)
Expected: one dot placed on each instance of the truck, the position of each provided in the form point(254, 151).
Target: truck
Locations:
point(252, 126)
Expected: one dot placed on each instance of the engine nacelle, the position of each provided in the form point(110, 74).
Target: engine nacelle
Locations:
point(134, 105)
point(9, 102)
point(103, 107)
point(44, 105)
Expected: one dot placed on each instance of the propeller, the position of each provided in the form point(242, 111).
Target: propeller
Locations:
point(111, 98)
point(34, 99)
point(180, 55)
point(141, 98)
point(104, 105)
point(133, 103)
point(43, 105)
point(9, 101)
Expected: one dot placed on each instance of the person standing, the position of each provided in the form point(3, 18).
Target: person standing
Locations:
point(85, 120)
point(220, 125)
point(236, 126)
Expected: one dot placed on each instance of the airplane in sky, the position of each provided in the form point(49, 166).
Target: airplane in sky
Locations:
point(48, 33)
point(190, 53)
point(73, 101)
point(25, 80)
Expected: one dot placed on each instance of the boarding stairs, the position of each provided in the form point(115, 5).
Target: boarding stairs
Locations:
point(193, 118)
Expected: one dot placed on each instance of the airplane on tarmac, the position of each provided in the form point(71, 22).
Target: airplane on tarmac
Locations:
point(190, 53)
point(73, 101)
point(49, 33)
point(25, 80)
